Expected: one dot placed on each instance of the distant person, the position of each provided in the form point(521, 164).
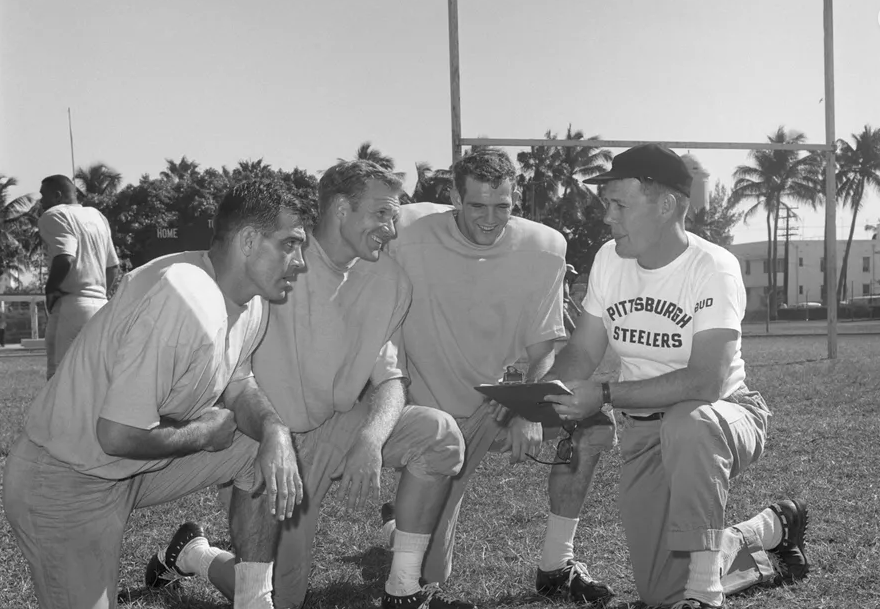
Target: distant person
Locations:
point(3, 329)
point(571, 308)
point(487, 292)
point(670, 305)
point(83, 265)
point(333, 365)
point(157, 400)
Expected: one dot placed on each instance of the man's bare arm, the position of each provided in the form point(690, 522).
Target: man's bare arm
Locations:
point(170, 439)
point(584, 351)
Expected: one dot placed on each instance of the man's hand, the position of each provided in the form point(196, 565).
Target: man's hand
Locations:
point(360, 473)
point(52, 298)
point(276, 466)
point(218, 425)
point(523, 437)
point(585, 401)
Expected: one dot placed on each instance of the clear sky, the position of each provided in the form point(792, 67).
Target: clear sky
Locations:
point(302, 83)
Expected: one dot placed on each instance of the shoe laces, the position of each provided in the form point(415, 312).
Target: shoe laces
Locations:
point(433, 591)
point(170, 574)
point(578, 569)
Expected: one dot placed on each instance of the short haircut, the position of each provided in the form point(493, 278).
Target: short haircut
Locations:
point(256, 203)
point(349, 179)
point(655, 190)
point(62, 184)
point(488, 165)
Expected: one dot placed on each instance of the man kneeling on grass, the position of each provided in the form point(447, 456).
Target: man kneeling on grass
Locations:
point(670, 305)
point(333, 364)
point(130, 419)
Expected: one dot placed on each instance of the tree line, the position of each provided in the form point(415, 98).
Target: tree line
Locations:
point(771, 182)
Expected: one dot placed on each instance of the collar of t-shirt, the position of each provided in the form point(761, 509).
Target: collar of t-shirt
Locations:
point(322, 255)
point(669, 268)
point(455, 230)
point(233, 310)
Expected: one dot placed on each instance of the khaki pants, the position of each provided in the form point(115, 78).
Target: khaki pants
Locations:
point(69, 525)
point(425, 441)
point(68, 317)
point(673, 492)
point(480, 432)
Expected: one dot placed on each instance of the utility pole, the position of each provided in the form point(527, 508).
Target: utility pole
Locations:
point(789, 231)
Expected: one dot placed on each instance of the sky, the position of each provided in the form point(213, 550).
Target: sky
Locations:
point(304, 83)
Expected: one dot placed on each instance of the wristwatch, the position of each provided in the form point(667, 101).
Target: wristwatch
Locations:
point(607, 406)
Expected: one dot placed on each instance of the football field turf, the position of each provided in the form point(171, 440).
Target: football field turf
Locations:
point(823, 446)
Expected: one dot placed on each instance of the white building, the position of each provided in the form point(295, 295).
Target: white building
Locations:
point(806, 269)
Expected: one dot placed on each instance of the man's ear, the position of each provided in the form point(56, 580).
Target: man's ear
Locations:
point(455, 196)
point(341, 206)
point(668, 206)
point(247, 240)
point(516, 197)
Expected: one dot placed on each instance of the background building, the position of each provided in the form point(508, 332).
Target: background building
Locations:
point(805, 280)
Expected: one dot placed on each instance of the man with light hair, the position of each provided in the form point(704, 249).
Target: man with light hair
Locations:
point(83, 264)
point(670, 305)
point(487, 293)
point(334, 366)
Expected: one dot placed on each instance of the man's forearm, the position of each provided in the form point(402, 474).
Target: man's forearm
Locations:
point(387, 402)
point(59, 269)
point(665, 390)
point(170, 439)
point(572, 363)
point(254, 413)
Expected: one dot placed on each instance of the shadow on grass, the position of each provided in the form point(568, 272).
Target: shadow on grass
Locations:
point(374, 563)
point(174, 595)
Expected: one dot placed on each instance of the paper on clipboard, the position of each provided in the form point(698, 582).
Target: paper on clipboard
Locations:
point(527, 399)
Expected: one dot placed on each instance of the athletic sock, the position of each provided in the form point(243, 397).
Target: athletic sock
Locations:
point(704, 578)
point(558, 542)
point(767, 528)
point(197, 556)
point(406, 566)
point(253, 585)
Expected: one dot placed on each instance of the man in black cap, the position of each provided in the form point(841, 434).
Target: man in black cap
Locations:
point(671, 304)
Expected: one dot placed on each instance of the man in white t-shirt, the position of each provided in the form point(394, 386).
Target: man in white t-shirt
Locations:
point(156, 400)
point(83, 265)
point(670, 305)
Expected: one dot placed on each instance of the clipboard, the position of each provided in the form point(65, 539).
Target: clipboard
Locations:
point(527, 400)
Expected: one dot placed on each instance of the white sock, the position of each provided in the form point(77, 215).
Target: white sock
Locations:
point(406, 566)
point(197, 556)
point(558, 542)
point(767, 527)
point(386, 533)
point(704, 577)
point(253, 585)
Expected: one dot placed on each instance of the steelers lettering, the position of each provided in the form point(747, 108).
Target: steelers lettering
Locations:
point(658, 306)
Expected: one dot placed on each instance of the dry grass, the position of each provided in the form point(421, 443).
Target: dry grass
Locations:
point(822, 447)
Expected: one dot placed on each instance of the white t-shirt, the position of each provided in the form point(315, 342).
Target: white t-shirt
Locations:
point(84, 233)
point(651, 315)
point(166, 345)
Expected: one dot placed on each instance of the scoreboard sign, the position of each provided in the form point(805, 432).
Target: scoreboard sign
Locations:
point(196, 235)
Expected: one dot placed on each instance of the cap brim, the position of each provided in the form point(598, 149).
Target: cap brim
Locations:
point(606, 177)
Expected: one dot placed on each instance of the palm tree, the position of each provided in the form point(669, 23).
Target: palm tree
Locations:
point(98, 179)
point(540, 178)
point(432, 185)
point(19, 237)
point(366, 152)
point(858, 168)
point(774, 177)
point(179, 170)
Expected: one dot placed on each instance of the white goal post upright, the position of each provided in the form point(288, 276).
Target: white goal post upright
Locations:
point(828, 148)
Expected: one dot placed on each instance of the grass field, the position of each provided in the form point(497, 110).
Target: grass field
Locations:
point(823, 447)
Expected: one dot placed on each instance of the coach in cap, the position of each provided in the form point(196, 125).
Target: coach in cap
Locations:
point(670, 304)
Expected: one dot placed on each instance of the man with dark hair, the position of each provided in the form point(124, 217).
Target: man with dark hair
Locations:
point(83, 264)
point(487, 292)
point(156, 400)
point(670, 305)
point(333, 364)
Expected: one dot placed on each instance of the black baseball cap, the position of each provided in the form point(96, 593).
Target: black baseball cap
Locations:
point(649, 161)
